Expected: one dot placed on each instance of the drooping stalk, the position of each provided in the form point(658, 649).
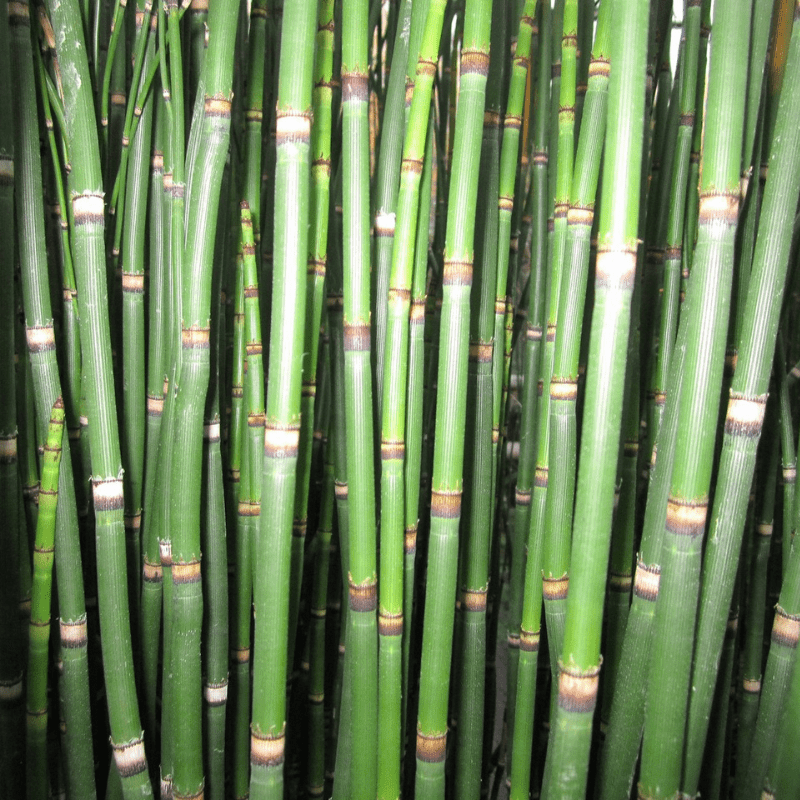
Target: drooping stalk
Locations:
point(668, 687)
point(579, 664)
point(282, 421)
point(448, 459)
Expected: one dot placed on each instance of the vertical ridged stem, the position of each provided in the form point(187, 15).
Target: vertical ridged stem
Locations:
point(414, 421)
point(448, 461)
point(151, 581)
point(560, 465)
point(563, 384)
point(315, 292)
point(88, 248)
point(44, 389)
point(479, 495)
point(579, 665)
point(393, 408)
point(777, 680)
point(747, 403)
point(278, 462)
point(134, 396)
point(362, 644)
point(529, 493)
point(387, 178)
point(668, 317)
point(193, 367)
point(240, 471)
point(521, 705)
point(687, 507)
point(213, 541)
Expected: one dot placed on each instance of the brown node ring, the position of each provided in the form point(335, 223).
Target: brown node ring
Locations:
point(646, 581)
point(266, 750)
point(786, 628)
point(577, 688)
point(446, 504)
point(555, 588)
point(129, 758)
point(363, 597)
point(431, 748)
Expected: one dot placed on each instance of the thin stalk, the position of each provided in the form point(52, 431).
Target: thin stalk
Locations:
point(362, 592)
point(563, 385)
point(322, 97)
point(315, 781)
point(243, 475)
point(561, 468)
point(579, 665)
point(214, 540)
point(39, 626)
point(755, 614)
point(341, 739)
point(387, 178)
point(777, 677)
point(532, 412)
point(134, 395)
point(414, 417)
point(527, 530)
point(788, 454)
point(152, 576)
point(479, 494)
point(668, 317)
point(448, 460)
point(11, 663)
point(395, 380)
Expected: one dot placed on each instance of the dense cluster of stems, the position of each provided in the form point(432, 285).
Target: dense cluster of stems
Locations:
point(353, 352)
